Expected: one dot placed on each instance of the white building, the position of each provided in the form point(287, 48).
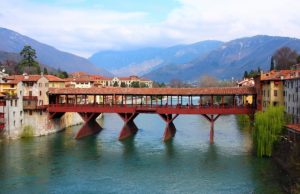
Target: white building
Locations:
point(292, 96)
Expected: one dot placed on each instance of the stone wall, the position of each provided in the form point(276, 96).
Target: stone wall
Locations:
point(41, 124)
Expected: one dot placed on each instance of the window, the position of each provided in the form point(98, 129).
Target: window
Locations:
point(40, 93)
point(14, 123)
point(14, 113)
point(41, 112)
point(30, 112)
point(21, 121)
point(275, 92)
point(16, 102)
point(21, 113)
point(40, 84)
point(11, 103)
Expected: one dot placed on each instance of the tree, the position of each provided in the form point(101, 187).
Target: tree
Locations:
point(298, 59)
point(28, 61)
point(62, 74)
point(135, 84)
point(285, 58)
point(272, 67)
point(208, 81)
point(176, 83)
point(246, 74)
point(158, 85)
point(45, 71)
point(268, 127)
point(116, 84)
point(143, 85)
point(123, 85)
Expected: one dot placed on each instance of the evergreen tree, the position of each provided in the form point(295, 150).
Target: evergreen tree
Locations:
point(45, 71)
point(28, 61)
point(246, 74)
point(272, 67)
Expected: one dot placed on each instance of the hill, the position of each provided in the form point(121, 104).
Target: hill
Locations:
point(229, 60)
point(13, 42)
point(142, 61)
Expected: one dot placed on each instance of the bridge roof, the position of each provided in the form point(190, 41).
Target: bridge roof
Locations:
point(155, 91)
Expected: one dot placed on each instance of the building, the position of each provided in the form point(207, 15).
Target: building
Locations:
point(247, 82)
point(292, 96)
point(55, 82)
point(272, 91)
point(11, 107)
point(131, 81)
point(79, 82)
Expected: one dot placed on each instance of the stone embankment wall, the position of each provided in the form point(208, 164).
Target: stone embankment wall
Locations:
point(43, 126)
point(287, 155)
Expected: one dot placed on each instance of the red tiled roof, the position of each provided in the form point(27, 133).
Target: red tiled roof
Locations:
point(277, 75)
point(157, 91)
point(294, 127)
point(83, 79)
point(53, 78)
point(29, 78)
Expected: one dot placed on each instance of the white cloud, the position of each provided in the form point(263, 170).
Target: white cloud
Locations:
point(84, 32)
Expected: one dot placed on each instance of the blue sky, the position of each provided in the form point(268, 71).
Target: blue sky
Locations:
point(84, 27)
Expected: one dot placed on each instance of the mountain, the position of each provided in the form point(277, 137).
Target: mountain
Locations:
point(4, 56)
point(14, 42)
point(142, 61)
point(229, 60)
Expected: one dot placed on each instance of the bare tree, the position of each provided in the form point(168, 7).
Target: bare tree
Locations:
point(176, 83)
point(208, 81)
point(285, 58)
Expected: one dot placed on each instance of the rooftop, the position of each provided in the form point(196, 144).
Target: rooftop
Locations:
point(156, 91)
point(294, 127)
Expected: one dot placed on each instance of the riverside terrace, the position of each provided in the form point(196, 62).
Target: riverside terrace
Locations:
point(166, 102)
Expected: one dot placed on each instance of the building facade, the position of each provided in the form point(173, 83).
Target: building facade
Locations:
point(292, 96)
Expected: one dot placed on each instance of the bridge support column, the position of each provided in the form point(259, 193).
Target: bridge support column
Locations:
point(212, 120)
point(56, 115)
point(129, 127)
point(170, 129)
point(90, 125)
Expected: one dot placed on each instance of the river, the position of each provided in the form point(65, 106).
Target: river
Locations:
point(144, 164)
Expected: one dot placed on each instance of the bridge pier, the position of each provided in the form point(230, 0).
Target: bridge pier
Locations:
point(56, 115)
point(129, 127)
point(212, 120)
point(90, 125)
point(170, 129)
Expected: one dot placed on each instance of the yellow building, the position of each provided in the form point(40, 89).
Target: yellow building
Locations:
point(55, 82)
point(272, 88)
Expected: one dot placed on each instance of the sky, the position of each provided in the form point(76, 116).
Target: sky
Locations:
point(84, 27)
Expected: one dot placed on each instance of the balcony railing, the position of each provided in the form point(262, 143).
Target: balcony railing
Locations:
point(2, 103)
point(30, 98)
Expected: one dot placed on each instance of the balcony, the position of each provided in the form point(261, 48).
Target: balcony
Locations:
point(34, 98)
point(2, 103)
point(2, 125)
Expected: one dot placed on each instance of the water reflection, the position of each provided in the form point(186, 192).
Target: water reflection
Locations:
point(170, 149)
point(129, 148)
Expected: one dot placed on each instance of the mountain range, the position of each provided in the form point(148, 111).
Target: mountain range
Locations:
point(12, 43)
point(223, 60)
point(145, 60)
point(229, 60)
